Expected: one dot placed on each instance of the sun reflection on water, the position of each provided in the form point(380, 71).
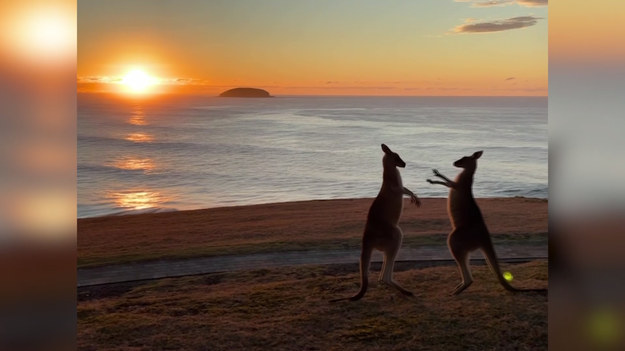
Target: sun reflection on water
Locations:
point(137, 200)
point(137, 118)
point(139, 137)
point(135, 164)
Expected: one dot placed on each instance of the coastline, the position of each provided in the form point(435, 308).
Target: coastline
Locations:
point(300, 225)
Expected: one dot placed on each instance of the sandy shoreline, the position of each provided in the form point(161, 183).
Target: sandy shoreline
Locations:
point(281, 226)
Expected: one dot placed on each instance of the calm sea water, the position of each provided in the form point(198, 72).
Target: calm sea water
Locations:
point(189, 152)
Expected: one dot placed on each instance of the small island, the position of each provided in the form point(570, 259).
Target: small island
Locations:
point(245, 92)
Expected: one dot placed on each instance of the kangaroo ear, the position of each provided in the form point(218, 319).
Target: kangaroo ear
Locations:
point(386, 149)
point(477, 154)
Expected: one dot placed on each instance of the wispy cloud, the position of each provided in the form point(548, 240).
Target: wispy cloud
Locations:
point(99, 79)
point(492, 3)
point(510, 78)
point(115, 80)
point(532, 3)
point(471, 26)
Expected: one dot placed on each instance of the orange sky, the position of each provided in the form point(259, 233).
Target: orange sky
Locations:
point(350, 47)
point(587, 32)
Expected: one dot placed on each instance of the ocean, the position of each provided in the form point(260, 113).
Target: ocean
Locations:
point(182, 152)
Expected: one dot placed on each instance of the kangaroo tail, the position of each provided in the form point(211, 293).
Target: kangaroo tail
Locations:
point(491, 259)
point(365, 259)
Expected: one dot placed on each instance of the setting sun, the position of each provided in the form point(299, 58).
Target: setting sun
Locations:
point(137, 81)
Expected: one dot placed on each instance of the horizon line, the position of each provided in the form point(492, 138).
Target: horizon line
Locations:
point(151, 95)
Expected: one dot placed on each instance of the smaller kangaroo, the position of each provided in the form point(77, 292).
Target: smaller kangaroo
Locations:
point(469, 231)
point(382, 231)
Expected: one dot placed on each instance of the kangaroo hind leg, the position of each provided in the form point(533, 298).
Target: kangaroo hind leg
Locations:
point(390, 254)
point(461, 256)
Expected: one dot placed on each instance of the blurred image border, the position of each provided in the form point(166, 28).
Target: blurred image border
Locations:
point(38, 177)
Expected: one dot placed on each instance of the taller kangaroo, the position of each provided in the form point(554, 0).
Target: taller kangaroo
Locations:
point(382, 231)
point(469, 231)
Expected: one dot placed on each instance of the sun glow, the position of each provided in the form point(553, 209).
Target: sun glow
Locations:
point(137, 81)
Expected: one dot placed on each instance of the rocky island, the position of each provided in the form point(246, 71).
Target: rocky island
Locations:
point(245, 92)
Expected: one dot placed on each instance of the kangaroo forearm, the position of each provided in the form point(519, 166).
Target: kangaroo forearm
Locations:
point(447, 184)
point(408, 192)
point(443, 177)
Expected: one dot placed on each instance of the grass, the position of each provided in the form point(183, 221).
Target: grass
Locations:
point(288, 309)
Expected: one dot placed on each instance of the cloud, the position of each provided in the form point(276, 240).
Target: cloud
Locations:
point(532, 3)
point(510, 78)
point(497, 26)
point(166, 81)
point(98, 79)
point(492, 3)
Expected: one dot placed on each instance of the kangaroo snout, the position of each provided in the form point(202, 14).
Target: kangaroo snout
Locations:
point(461, 163)
point(392, 158)
point(468, 161)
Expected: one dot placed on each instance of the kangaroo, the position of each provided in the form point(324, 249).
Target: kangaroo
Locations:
point(382, 231)
point(469, 231)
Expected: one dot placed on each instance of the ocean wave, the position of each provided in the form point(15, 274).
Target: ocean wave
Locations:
point(106, 169)
point(124, 212)
point(142, 211)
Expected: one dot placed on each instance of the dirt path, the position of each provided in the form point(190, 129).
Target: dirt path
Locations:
point(176, 268)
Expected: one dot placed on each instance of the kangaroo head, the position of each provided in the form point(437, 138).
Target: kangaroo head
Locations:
point(391, 159)
point(469, 161)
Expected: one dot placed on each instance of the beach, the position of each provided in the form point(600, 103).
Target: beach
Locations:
point(303, 225)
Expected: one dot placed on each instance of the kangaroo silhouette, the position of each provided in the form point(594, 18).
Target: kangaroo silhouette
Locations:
point(469, 231)
point(382, 231)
